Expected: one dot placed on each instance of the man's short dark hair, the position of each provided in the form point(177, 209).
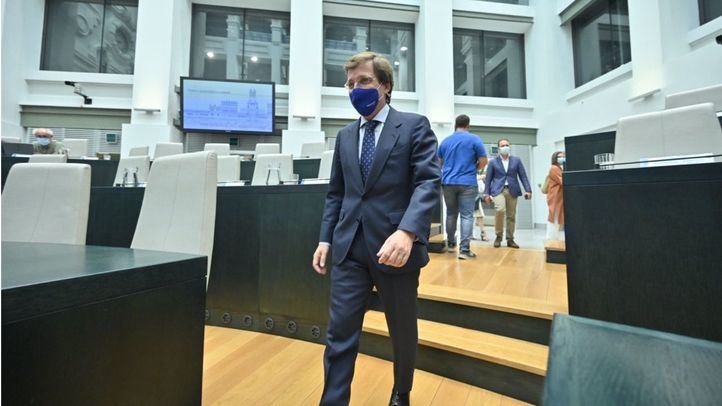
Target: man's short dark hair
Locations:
point(498, 143)
point(462, 121)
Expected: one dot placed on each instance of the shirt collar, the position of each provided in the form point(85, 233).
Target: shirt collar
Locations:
point(382, 115)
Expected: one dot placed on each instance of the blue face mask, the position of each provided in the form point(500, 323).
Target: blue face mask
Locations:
point(505, 150)
point(43, 141)
point(561, 160)
point(364, 100)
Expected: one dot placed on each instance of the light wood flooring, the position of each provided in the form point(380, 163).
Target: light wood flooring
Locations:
point(247, 368)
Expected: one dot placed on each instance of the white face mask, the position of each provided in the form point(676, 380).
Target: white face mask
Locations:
point(505, 150)
point(43, 141)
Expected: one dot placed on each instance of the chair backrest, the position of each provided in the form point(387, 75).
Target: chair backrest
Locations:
point(179, 206)
point(280, 165)
point(711, 94)
point(138, 151)
point(312, 149)
point(46, 202)
point(324, 168)
point(685, 130)
point(229, 168)
point(11, 139)
point(593, 362)
point(76, 147)
point(262, 149)
point(220, 149)
point(140, 164)
point(167, 148)
point(48, 158)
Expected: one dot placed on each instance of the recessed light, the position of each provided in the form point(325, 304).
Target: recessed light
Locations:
point(254, 58)
point(404, 49)
point(397, 63)
point(210, 54)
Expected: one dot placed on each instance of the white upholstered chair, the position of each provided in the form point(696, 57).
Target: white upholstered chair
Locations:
point(46, 202)
point(229, 168)
point(179, 206)
point(312, 149)
point(688, 130)
point(262, 149)
point(220, 149)
point(281, 166)
point(167, 148)
point(48, 158)
point(16, 140)
point(710, 94)
point(139, 163)
point(324, 169)
point(76, 147)
point(138, 151)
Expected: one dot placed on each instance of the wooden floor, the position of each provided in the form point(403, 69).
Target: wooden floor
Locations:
point(521, 275)
point(247, 368)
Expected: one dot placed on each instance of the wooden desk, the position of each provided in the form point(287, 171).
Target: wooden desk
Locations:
point(87, 325)
point(644, 247)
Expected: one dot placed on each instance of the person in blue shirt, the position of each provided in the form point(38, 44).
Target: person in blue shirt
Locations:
point(462, 154)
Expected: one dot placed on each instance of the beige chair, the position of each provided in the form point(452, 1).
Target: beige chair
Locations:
point(179, 206)
point(711, 94)
point(280, 167)
point(48, 158)
point(220, 149)
point(689, 130)
point(324, 169)
point(46, 202)
point(138, 151)
point(139, 164)
point(312, 149)
point(167, 148)
point(262, 149)
point(16, 140)
point(229, 168)
point(77, 148)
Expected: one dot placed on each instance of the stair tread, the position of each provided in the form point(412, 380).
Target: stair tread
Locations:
point(517, 354)
point(505, 303)
point(555, 245)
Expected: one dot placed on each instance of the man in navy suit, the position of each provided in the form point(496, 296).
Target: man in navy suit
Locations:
point(385, 182)
point(502, 186)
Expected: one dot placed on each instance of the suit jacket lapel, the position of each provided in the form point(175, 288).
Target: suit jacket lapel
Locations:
point(352, 147)
point(387, 140)
point(501, 164)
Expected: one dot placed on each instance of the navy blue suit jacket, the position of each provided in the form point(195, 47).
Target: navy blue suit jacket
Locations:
point(496, 177)
point(401, 191)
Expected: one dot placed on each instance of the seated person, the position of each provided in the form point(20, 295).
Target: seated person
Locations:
point(44, 143)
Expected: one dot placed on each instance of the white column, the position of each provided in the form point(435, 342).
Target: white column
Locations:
point(232, 45)
point(152, 80)
point(645, 31)
point(305, 76)
point(435, 65)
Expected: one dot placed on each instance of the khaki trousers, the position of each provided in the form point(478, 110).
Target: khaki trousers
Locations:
point(505, 204)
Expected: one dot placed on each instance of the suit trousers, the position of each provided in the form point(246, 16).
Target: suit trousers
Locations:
point(505, 206)
point(351, 283)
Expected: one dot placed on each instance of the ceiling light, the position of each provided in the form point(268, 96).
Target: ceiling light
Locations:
point(397, 63)
point(210, 54)
point(254, 58)
point(404, 49)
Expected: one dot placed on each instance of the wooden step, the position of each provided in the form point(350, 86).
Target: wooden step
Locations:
point(504, 303)
point(510, 352)
point(556, 251)
point(555, 245)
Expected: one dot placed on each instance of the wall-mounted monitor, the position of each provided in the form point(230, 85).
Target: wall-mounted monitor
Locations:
point(227, 106)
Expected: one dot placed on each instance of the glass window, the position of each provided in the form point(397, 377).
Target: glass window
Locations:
point(709, 10)
point(344, 38)
point(90, 36)
point(240, 44)
point(600, 37)
point(521, 2)
point(489, 64)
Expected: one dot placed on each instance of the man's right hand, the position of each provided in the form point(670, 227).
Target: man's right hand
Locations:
point(319, 259)
point(487, 199)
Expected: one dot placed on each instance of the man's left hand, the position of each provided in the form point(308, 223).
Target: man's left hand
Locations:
point(527, 195)
point(396, 249)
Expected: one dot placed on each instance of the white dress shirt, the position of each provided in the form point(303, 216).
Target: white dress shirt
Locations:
point(505, 162)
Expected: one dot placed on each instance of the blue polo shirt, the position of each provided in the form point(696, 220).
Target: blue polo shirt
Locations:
point(460, 152)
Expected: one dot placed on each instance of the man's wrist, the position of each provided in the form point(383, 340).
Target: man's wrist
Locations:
point(410, 234)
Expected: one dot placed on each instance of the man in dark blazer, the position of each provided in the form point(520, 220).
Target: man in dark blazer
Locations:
point(385, 182)
point(502, 186)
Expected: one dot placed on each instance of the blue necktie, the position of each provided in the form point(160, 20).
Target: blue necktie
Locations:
point(367, 149)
